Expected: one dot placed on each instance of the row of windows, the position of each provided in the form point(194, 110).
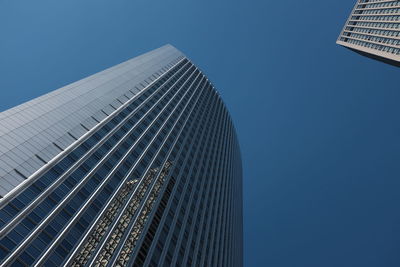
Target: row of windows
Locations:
point(376, 18)
point(395, 51)
point(376, 39)
point(372, 1)
point(384, 4)
point(379, 11)
point(376, 25)
point(374, 31)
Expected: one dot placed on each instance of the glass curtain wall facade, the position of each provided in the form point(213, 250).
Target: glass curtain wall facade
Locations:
point(373, 29)
point(151, 176)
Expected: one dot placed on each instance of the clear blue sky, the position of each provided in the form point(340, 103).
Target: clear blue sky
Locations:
point(318, 124)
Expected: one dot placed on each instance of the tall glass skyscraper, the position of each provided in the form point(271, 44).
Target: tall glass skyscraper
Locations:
point(373, 30)
point(138, 165)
